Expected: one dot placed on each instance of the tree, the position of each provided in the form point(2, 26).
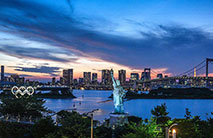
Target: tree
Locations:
point(188, 114)
point(144, 130)
point(14, 130)
point(102, 132)
point(160, 114)
point(43, 127)
point(24, 106)
point(74, 125)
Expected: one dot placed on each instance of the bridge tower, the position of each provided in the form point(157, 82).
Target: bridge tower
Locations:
point(208, 60)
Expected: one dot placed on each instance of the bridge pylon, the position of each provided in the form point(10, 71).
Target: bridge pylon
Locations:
point(208, 60)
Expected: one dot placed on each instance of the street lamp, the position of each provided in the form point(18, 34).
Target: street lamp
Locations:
point(91, 115)
point(173, 131)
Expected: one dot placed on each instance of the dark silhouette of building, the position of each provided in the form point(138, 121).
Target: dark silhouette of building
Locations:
point(87, 77)
point(61, 80)
point(68, 77)
point(106, 77)
point(94, 77)
point(160, 76)
point(2, 73)
point(122, 76)
point(134, 76)
point(53, 81)
point(81, 81)
point(146, 75)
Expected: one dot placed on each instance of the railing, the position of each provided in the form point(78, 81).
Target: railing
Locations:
point(18, 119)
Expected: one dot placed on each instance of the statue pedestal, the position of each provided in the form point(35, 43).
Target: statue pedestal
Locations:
point(118, 119)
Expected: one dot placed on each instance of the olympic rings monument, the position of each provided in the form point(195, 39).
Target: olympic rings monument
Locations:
point(21, 91)
point(118, 117)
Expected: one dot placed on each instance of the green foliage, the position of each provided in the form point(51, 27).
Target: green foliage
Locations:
point(102, 132)
point(25, 106)
point(194, 128)
point(143, 130)
point(43, 127)
point(188, 114)
point(14, 130)
point(134, 119)
point(160, 114)
point(74, 125)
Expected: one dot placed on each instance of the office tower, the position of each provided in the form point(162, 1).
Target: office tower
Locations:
point(134, 76)
point(160, 76)
point(146, 75)
point(21, 80)
point(53, 81)
point(14, 78)
point(94, 77)
point(106, 77)
point(68, 77)
point(75, 82)
point(122, 76)
point(81, 80)
point(61, 80)
point(87, 77)
point(2, 73)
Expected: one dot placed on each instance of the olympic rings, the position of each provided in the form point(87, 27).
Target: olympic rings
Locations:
point(22, 91)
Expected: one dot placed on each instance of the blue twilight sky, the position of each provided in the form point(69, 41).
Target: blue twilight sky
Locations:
point(39, 38)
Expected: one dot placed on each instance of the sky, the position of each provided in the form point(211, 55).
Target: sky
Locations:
point(40, 38)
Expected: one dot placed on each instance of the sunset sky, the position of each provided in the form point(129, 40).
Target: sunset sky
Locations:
point(40, 38)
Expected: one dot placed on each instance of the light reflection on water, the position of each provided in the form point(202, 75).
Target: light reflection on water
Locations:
point(92, 99)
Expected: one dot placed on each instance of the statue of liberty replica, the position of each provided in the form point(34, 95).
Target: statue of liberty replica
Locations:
point(118, 117)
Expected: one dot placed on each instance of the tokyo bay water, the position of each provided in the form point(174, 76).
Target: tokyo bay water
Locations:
point(88, 100)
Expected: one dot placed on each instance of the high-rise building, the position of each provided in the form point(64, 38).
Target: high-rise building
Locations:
point(75, 82)
point(160, 76)
point(106, 77)
point(122, 76)
point(68, 77)
point(80, 80)
point(87, 77)
point(53, 81)
point(2, 73)
point(61, 80)
point(14, 78)
point(94, 77)
point(146, 75)
point(134, 76)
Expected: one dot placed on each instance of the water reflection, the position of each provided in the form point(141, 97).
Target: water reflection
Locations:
point(88, 100)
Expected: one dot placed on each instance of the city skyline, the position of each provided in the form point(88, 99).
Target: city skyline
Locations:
point(38, 39)
point(94, 76)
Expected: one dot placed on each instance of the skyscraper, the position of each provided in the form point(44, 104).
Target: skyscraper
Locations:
point(106, 77)
point(160, 76)
point(87, 77)
point(2, 73)
point(53, 81)
point(146, 75)
point(122, 76)
point(68, 76)
point(134, 76)
point(94, 77)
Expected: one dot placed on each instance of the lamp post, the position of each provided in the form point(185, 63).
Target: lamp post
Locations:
point(91, 125)
point(173, 132)
point(91, 115)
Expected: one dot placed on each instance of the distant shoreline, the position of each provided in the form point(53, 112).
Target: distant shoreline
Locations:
point(47, 96)
point(172, 93)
